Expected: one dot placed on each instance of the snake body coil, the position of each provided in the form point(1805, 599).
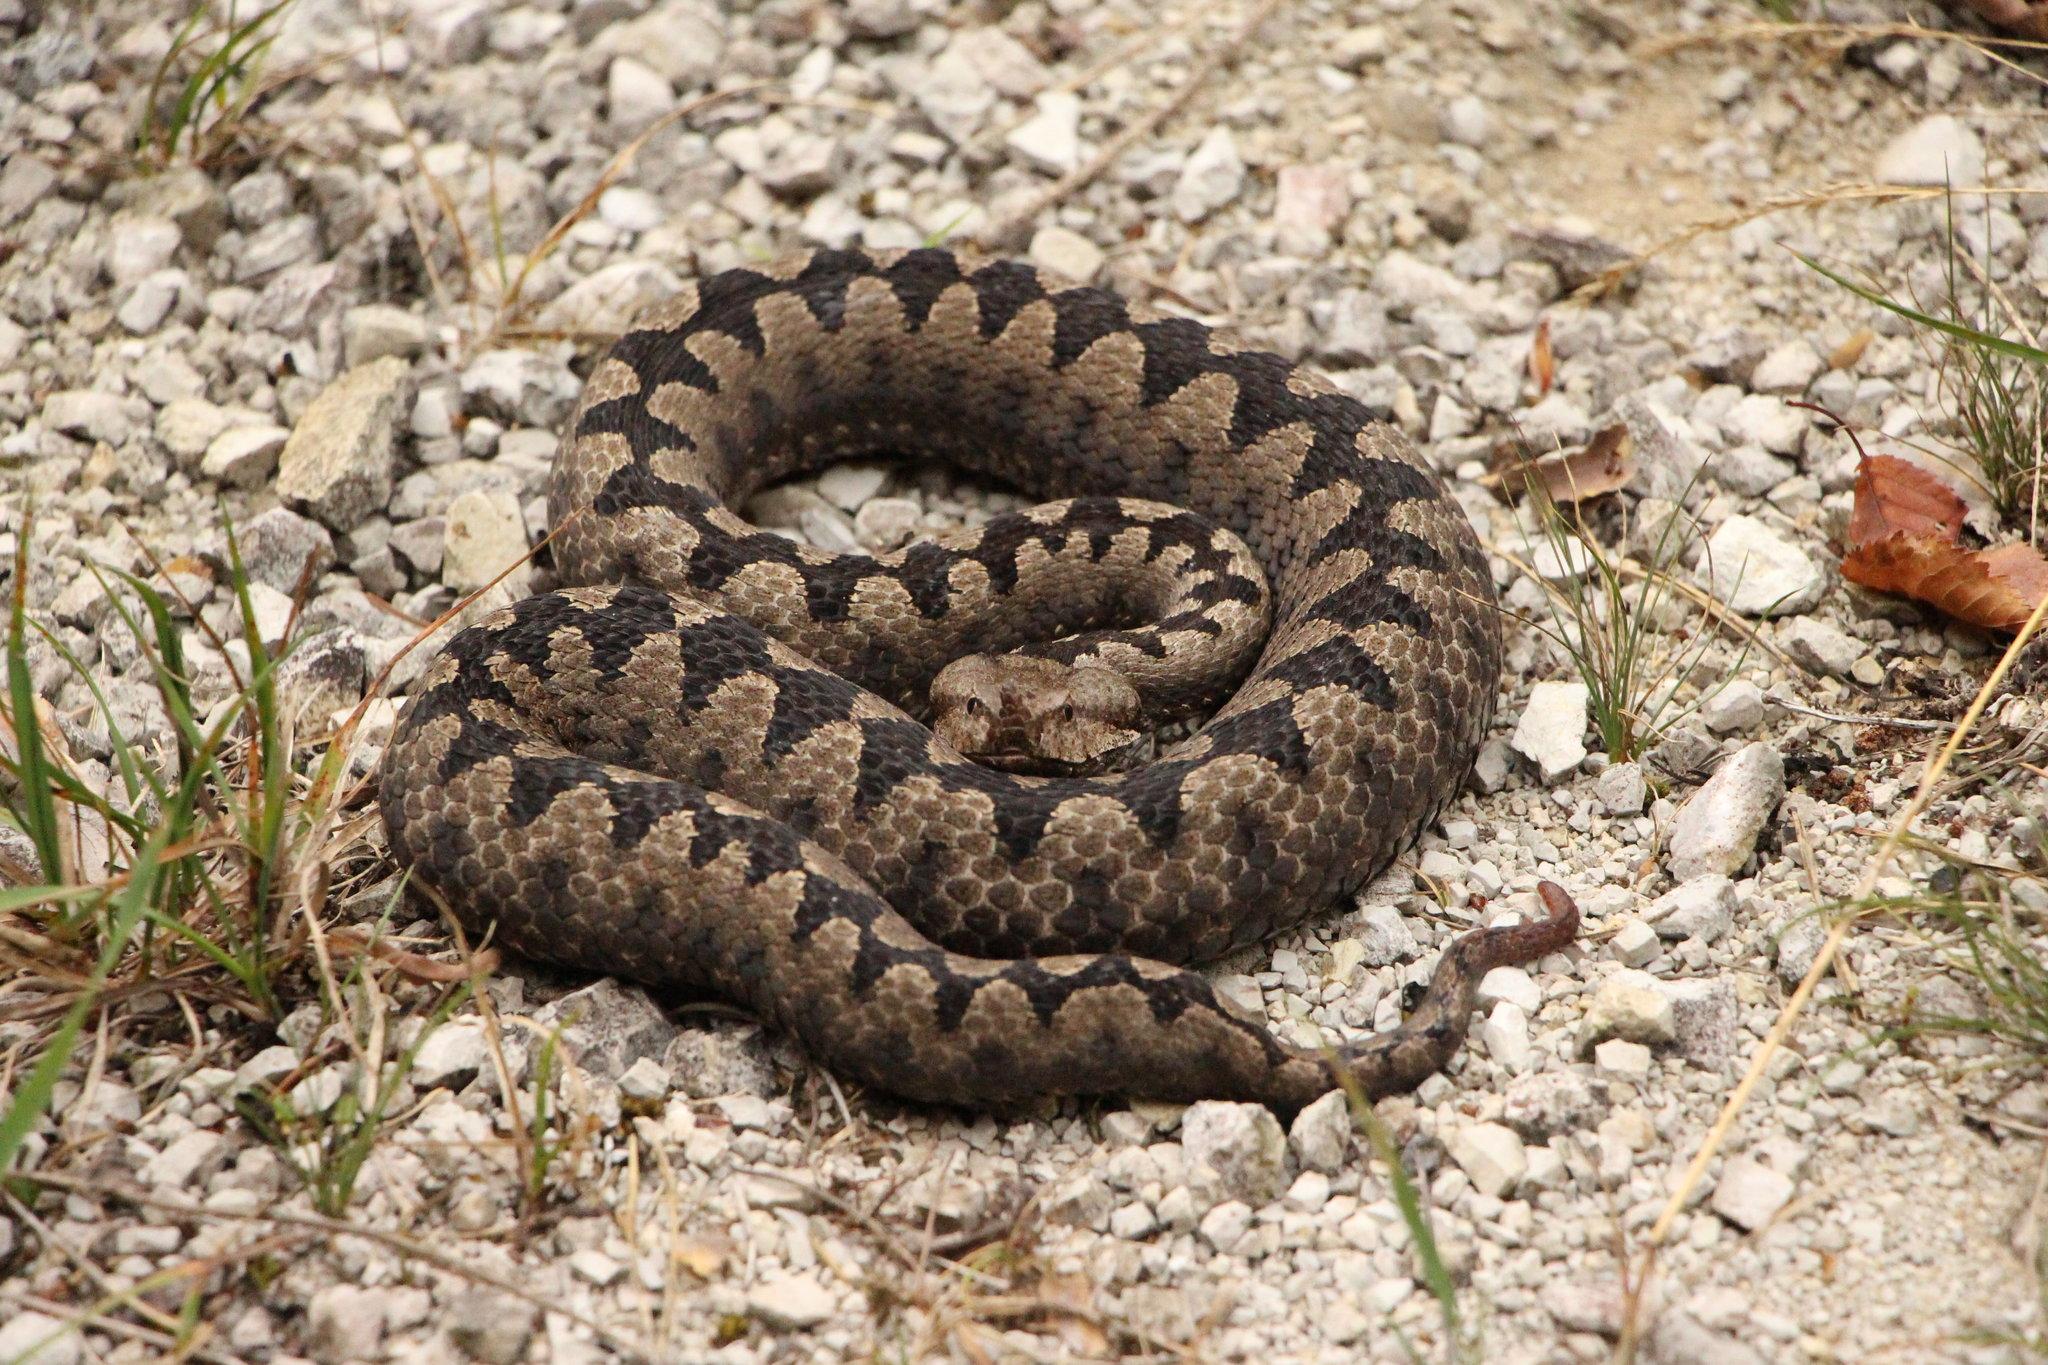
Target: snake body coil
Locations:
point(700, 769)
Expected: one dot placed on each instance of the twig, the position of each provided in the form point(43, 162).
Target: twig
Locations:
point(1007, 232)
point(90, 1269)
point(890, 1242)
point(1011, 1306)
point(511, 293)
point(1896, 723)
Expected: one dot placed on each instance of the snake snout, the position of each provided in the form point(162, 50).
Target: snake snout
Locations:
point(1030, 715)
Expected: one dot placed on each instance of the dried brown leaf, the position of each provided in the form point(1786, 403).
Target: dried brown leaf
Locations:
point(1995, 589)
point(1542, 360)
point(1602, 466)
point(1895, 496)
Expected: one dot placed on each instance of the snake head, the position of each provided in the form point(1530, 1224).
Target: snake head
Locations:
point(1027, 715)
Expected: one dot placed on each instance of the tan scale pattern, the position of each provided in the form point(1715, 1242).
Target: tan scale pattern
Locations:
point(705, 768)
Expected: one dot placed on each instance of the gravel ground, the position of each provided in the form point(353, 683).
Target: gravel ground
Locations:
point(1402, 192)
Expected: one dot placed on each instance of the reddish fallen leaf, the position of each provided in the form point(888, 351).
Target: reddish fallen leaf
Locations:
point(1602, 466)
point(1542, 360)
point(1896, 496)
point(1995, 589)
point(1905, 537)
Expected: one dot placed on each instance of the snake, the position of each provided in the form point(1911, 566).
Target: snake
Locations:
point(913, 807)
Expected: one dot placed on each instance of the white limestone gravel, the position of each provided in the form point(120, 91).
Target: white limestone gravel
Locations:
point(1400, 194)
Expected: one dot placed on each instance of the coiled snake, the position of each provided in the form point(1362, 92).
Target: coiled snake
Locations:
point(704, 768)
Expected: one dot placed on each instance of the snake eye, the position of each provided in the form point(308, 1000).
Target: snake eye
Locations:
point(1067, 712)
point(974, 706)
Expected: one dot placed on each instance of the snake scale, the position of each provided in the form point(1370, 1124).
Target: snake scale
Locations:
point(709, 763)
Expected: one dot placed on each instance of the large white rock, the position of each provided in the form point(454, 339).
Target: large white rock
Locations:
point(1547, 1103)
point(1766, 420)
point(1552, 731)
point(1703, 1019)
point(520, 387)
point(140, 245)
point(1733, 707)
point(190, 1157)
point(89, 413)
point(485, 535)
point(605, 300)
point(372, 331)
point(1050, 140)
point(1241, 1146)
point(1822, 647)
point(1634, 943)
point(1321, 1135)
point(1066, 252)
point(791, 1302)
point(1716, 830)
point(452, 1053)
point(1310, 202)
point(244, 456)
point(337, 466)
point(1703, 908)
point(28, 1338)
point(1510, 984)
point(1505, 1032)
point(1630, 1005)
point(1787, 368)
point(1759, 572)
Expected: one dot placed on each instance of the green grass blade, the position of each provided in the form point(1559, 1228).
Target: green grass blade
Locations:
point(938, 235)
point(1436, 1276)
point(1960, 331)
point(14, 898)
point(38, 812)
point(226, 958)
point(32, 1097)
